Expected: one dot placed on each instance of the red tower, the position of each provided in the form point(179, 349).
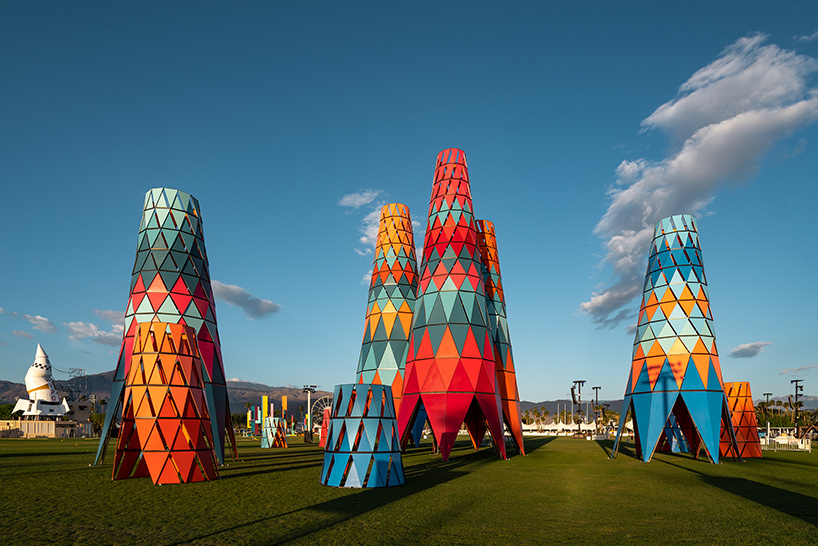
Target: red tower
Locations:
point(450, 367)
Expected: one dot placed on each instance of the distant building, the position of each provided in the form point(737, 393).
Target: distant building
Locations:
point(42, 396)
point(43, 416)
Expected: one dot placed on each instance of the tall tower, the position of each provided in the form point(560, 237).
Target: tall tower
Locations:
point(498, 323)
point(450, 366)
point(171, 283)
point(675, 369)
point(392, 293)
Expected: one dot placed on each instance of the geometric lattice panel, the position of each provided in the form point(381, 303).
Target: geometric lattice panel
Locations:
point(450, 368)
point(675, 367)
point(274, 433)
point(745, 424)
point(165, 430)
point(171, 283)
point(362, 448)
point(498, 323)
point(392, 293)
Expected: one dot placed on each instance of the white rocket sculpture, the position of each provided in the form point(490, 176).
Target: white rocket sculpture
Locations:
point(42, 396)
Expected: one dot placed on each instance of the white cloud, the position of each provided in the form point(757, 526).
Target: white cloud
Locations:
point(369, 228)
point(41, 323)
point(366, 279)
point(111, 316)
point(794, 371)
point(364, 252)
point(81, 330)
point(748, 350)
point(20, 333)
point(253, 307)
point(807, 38)
point(356, 200)
point(723, 120)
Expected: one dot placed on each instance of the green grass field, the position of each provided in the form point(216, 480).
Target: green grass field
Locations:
point(564, 490)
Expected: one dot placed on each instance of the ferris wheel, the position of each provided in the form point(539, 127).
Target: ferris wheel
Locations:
point(318, 409)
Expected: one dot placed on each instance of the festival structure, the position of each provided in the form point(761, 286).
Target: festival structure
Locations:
point(274, 432)
point(392, 293)
point(450, 367)
point(362, 447)
point(498, 324)
point(43, 400)
point(675, 369)
point(171, 283)
point(165, 431)
point(745, 424)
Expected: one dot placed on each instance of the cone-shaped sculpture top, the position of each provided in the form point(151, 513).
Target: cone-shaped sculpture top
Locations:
point(675, 323)
point(450, 366)
point(40, 356)
point(392, 293)
point(498, 324)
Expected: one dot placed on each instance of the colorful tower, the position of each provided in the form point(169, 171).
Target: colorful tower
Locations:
point(498, 323)
point(165, 431)
point(171, 283)
point(362, 448)
point(450, 367)
point(675, 369)
point(392, 293)
point(745, 424)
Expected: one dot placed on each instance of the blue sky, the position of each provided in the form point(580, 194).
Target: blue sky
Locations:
point(291, 123)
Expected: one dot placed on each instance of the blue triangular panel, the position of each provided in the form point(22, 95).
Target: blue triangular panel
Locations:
point(692, 380)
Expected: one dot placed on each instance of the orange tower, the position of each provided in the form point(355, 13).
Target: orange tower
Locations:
point(392, 293)
point(743, 416)
point(498, 324)
point(165, 432)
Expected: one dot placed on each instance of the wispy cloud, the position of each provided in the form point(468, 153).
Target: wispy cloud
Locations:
point(807, 37)
point(41, 323)
point(748, 350)
point(369, 228)
point(369, 223)
point(20, 333)
point(114, 317)
point(725, 117)
point(793, 371)
point(79, 330)
point(357, 200)
point(253, 307)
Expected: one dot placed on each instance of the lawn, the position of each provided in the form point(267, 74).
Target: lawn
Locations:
point(564, 490)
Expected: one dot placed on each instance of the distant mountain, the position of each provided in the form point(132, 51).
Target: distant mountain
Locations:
point(10, 392)
point(240, 393)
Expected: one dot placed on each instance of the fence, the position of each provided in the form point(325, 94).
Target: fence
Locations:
point(786, 443)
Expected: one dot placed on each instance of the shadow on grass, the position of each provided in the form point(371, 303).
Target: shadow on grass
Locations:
point(418, 478)
point(607, 447)
point(533, 444)
point(784, 501)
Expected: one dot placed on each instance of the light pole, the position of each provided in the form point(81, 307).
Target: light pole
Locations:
point(309, 389)
point(596, 405)
point(767, 404)
point(798, 390)
point(576, 398)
